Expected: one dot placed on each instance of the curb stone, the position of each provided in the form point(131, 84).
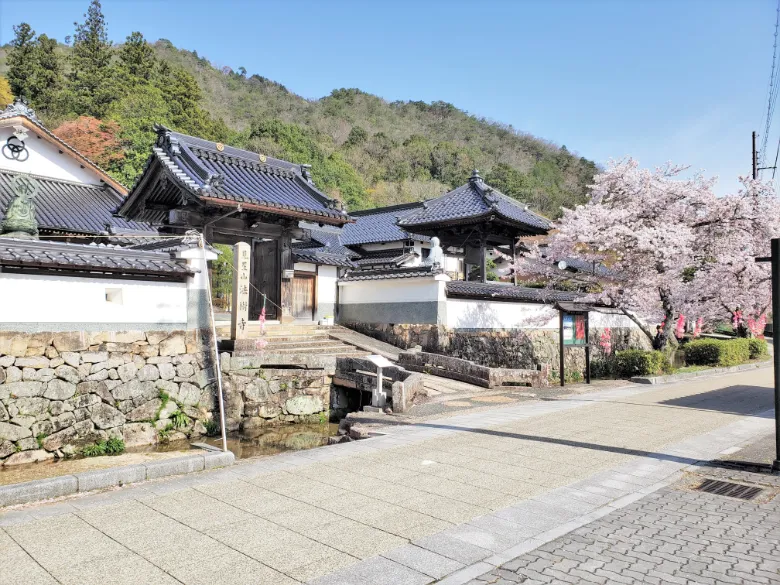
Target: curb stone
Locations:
point(700, 374)
point(66, 485)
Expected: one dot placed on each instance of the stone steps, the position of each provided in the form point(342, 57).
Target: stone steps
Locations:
point(303, 343)
point(334, 349)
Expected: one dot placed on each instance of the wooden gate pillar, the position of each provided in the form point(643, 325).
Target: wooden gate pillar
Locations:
point(286, 266)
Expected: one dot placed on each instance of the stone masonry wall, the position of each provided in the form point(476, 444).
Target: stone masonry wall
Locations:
point(257, 396)
point(61, 391)
point(499, 348)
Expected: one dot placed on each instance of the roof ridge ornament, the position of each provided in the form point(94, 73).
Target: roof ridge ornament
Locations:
point(20, 107)
point(475, 177)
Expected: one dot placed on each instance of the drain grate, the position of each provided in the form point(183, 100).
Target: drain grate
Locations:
point(732, 490)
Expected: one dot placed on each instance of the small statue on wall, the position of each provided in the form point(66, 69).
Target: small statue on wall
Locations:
point(20, 219)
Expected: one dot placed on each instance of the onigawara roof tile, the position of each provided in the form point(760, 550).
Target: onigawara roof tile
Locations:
point(380, 225)
point(213, 172)
point(474, 201)
point(81, 208)
point(507, 292)
point(89, 258)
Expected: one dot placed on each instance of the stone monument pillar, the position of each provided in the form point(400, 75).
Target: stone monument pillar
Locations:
point(239, 316)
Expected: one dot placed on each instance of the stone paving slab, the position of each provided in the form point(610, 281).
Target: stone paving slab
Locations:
point(474, 490)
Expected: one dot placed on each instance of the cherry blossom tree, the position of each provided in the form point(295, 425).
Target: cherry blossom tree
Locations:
point(731, 283)
point(666, 242)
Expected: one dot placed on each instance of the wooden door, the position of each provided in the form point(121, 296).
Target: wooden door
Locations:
point(303, 296)
point(265, 277)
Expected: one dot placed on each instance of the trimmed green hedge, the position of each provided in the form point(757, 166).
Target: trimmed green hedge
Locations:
point(637, 362)
point(723, 352)
point(758, 348)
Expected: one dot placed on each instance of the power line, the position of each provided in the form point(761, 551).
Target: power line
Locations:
point(774, 88)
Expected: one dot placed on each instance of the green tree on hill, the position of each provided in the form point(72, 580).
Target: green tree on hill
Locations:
point(91, 78)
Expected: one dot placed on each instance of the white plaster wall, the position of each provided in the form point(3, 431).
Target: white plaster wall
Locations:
point(46, 160)
point(399, 290)
point(382, 246)
point(53, 299)
point(305, 267)
point(327, 277)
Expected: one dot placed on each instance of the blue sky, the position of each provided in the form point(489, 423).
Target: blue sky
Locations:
point(680, 80)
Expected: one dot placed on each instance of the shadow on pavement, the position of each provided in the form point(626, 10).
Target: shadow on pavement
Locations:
point(742, 400)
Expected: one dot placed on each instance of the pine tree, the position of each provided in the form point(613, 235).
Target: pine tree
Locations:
point(47, 77)
point(137, 58)
point(21, 60)
point(92, 76)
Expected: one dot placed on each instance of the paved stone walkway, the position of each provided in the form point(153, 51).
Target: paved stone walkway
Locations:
point(671, 536)
point(450, 499)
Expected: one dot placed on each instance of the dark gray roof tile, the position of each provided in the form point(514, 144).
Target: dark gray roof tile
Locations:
point(88, 257)
point(499, 292)
point(73, 207)
point(380, 225)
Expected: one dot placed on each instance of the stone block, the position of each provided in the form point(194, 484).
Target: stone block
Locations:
point(94, 357)
point(173, 344)
point(175, 466)
point(10, 432)
point(36, 362)
point(166, 370)
point(57, 408)
point(106, 417)
point(13, 374)
point(147, 411)
point(187, 394)
point(63, 421)
point(44, 427)
point(149, 373)
point(98, 376)
point(224, 362)
point(59, 390)
point(46, 374)
point(60, 438)
point(3, 412)
point(70, 341)
point(23, 421)
point(105, 478)
point(6, 361)
point(25, 389)
point(213, 460)
point(84, 400)
point(31, 406)
point(135, 434)
point(185, 370)
point(155, 337)
point(127, 372)
point(71, 358)
point(6, 448)
point(35, 491)
point(302, 405)
point(24, 457)
point(30, 375)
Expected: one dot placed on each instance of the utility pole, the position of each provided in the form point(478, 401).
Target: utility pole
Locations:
point(755, 158)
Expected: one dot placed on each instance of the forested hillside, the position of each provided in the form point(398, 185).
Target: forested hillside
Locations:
point(366, 151)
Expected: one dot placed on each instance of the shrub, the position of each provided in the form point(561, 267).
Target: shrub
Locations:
point(734, 352)
point(718, 352)
point(638, 362)
point(702, 352)
point(758, 348)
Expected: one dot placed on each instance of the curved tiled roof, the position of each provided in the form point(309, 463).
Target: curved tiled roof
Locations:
point(380, 225)
point(473, 201)
point(89, 258)
point(215, 172)
point(506, 292)
point(67, 206)
point(391, 273)
point(324, 248)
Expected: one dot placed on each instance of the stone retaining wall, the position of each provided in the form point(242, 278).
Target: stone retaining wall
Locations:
point(257, 396)
point(61, 391)
point(498, 348)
